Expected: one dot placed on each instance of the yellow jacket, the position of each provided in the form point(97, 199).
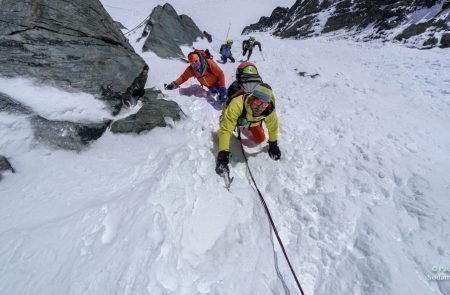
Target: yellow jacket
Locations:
point(231, 114)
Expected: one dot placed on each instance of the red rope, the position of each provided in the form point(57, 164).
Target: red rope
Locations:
point(270, 217)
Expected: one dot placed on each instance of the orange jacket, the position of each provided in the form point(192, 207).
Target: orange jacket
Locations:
point(212, 75)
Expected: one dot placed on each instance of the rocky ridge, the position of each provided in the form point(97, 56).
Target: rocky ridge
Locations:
point(416, 23)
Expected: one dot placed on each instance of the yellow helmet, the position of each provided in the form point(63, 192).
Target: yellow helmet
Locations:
point(229, 41)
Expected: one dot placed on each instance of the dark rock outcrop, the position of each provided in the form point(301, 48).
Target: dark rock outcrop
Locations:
point(445, 40)
point(66, 135)
point(431, 42)
point(267, 23)
point(365, 20)
point(9, 105)
point(70, 44)
point(5, 165)
point(207, 36)
point(420, 28)
point(167, 31)
point(151, 115)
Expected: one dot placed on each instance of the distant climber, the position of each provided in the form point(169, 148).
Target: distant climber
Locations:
point(248, 110)
point(207, 72)
point(247, 45)
point(225, 51)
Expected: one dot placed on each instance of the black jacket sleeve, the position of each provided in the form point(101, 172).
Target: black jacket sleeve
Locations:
point(244, 43)
point(257, 44)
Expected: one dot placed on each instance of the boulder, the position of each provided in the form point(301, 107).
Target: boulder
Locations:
point(413, 30)
point(445, 40)
point(432, 41)
point(167, 31)
point(71, 45)
point(66, 135)
point(152, 114)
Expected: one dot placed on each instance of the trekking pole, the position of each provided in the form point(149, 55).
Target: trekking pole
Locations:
point(226, 38)
point(262, 55)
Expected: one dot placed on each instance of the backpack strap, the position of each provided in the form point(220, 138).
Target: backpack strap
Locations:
point(236, 94)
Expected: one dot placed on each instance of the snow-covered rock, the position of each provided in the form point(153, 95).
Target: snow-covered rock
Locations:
point(167, 31)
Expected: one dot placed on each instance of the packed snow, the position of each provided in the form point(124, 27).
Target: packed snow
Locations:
point(360, 197)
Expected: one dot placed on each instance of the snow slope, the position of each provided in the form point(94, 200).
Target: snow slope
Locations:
point(360, 196)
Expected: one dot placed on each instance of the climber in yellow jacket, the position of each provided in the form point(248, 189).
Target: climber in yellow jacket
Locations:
point(248, 110)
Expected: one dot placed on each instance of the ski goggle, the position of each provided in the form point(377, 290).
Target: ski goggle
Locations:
point(259, 102)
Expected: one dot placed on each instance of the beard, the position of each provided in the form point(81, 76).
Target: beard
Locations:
point(257, 111)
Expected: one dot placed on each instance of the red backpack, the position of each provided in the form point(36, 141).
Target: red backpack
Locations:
point(204, 53)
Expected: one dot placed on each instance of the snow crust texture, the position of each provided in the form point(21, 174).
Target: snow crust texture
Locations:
point(360, 196)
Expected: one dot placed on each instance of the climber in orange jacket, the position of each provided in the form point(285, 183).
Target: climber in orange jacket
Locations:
point(207, 72)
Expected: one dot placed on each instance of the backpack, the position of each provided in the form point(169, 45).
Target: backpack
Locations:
point(225, 50)
point(204, 53)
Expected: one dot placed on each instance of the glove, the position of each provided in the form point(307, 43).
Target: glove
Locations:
point(171, 86)
point(222, 163)
point(223, 98)
point(222, 90)
point(222, 94)
point(274, 150)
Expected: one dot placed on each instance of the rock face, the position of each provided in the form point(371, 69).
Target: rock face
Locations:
point(76, 45)
point(5, 166)
point(70, 44)
point(66, 135)
point(151, 115)
point(167, 31)
point(415, 22)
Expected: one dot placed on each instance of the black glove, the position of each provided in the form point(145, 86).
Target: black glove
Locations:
point(222, 163)
point(222, 94)
point(274, 150)
point(171, 86)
